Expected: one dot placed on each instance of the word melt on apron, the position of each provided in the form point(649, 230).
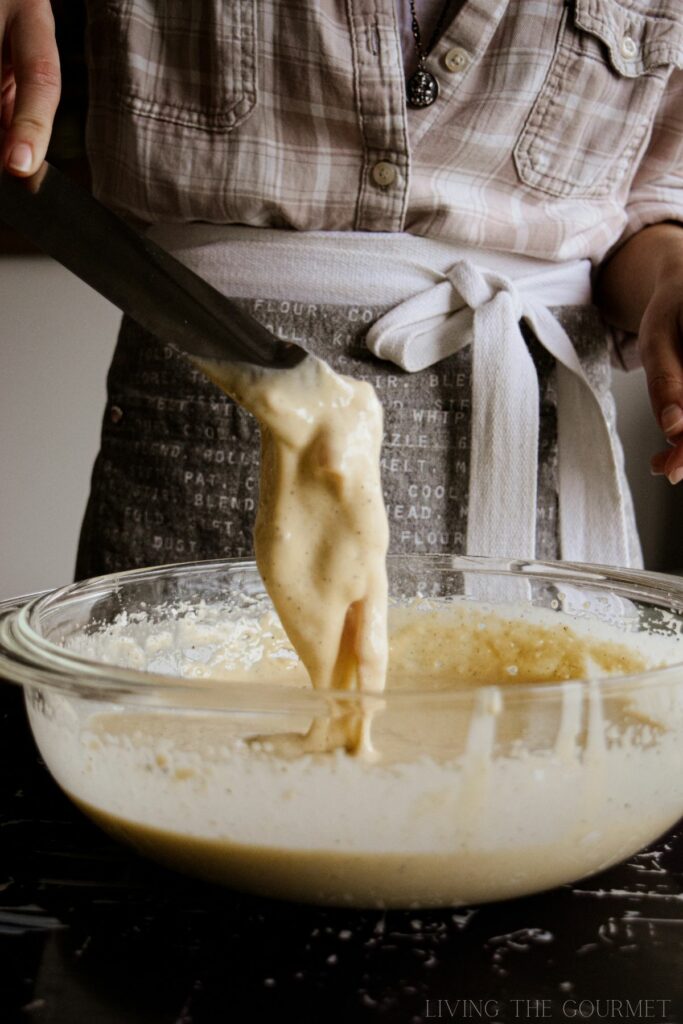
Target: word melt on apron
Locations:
point(444, 298)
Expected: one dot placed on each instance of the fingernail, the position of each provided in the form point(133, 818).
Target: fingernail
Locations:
point(20, 158)
point(676, 475)
point(656, 472)
point(671, 419)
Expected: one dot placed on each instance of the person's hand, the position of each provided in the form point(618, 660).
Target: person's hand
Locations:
point(30, 83)
point(660, 343)
point(640, 290)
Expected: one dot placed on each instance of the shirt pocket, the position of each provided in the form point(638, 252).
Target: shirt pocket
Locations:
point(190, 63)
point(597, 104)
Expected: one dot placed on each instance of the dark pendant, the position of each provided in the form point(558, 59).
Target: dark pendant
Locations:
point(421, 89)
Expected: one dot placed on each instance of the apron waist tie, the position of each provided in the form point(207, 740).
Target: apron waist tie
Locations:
point(478, 307)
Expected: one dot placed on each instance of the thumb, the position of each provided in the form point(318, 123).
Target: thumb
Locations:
point(35, 63)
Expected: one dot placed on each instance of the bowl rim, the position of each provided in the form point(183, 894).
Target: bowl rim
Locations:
point(31, 660)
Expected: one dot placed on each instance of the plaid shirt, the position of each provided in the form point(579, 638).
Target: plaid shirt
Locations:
point(558, 129)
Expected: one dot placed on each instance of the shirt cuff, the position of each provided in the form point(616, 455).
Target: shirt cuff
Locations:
point(643, 214)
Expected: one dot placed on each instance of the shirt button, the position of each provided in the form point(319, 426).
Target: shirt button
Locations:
point(456, 59)
point(629, 47)
point(384, 174)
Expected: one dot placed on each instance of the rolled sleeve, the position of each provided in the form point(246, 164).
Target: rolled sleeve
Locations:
point(656, 193)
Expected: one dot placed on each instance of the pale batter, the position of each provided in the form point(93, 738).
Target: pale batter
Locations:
point(479, 796)
point(321, 533)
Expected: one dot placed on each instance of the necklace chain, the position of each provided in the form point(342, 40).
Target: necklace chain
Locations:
point(417, 35)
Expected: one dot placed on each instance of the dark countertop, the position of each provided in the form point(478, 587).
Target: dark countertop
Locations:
point(89, 932)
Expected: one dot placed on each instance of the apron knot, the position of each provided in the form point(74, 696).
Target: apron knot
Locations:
point(440, 320)
point(477, 287)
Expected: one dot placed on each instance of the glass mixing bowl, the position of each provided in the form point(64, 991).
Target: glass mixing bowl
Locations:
point(531, 733)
